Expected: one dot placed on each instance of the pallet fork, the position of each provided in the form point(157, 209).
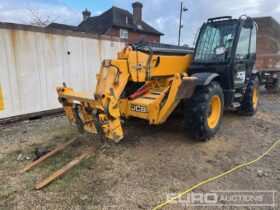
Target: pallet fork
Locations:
point(91, 151)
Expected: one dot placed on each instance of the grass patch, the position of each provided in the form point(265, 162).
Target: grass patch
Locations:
point(173, 189)
point(131, 159)
point(87, 164)
point(66, 180)
point(13, 131)
point(8, 192)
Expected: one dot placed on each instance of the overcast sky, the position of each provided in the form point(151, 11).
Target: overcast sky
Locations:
point(162, 14)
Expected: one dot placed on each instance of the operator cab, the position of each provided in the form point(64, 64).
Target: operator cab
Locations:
point(226, 47)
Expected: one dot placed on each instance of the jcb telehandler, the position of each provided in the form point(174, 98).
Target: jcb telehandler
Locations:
point(149, 81)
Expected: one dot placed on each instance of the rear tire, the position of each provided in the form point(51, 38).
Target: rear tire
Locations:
point(204, 111)
point(250, 103)
point(275, 87)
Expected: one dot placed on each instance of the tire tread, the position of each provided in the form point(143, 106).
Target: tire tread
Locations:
point(196, 109)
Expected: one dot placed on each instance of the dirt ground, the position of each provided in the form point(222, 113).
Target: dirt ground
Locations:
point(139, 172)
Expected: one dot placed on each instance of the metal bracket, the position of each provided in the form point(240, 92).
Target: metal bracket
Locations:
point(98, 126)
point(78, 119)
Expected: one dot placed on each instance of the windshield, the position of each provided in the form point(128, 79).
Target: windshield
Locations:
point(215, 42)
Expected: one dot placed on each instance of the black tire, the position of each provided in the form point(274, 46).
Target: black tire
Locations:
point(248, 107)
point(197, 110)
point(274, 87)
point(277, 86)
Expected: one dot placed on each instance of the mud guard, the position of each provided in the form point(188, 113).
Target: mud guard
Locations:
point(186, 88)
point(258, 74)
point(205, 78)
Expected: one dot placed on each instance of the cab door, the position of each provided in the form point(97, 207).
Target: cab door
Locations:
point(245, 55)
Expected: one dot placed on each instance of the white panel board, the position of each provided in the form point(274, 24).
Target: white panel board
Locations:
point(33, 64)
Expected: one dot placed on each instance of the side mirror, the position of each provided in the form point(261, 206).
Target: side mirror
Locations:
point(221, 50)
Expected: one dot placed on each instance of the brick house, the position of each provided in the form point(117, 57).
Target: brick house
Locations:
point(116, 22)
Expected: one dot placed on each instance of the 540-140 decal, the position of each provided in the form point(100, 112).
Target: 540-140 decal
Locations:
point(137, 108)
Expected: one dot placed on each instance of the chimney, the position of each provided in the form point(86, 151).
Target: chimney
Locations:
point(86, 14)
point(137, 13)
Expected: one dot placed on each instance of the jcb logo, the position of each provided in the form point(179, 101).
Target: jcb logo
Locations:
point(137, 108)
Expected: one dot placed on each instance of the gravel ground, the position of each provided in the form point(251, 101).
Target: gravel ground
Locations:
point(146, 166)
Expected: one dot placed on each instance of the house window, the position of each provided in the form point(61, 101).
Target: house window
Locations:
point(123, 34)
point(126, 20)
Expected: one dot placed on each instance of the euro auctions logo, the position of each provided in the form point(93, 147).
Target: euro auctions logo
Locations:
point(254, 198)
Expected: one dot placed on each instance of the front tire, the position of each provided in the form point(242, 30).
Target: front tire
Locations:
point(204, 111)
point(250, 103)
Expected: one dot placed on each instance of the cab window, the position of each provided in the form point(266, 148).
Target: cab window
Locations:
point(253, 45)
point(242, 50)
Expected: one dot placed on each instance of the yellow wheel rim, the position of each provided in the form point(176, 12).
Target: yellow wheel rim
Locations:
point(255, 97)
point(214, 112)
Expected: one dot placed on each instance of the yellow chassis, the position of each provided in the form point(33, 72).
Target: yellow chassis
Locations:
point(163, 77)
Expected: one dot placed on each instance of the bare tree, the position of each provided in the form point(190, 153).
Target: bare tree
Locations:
point(37, 19)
